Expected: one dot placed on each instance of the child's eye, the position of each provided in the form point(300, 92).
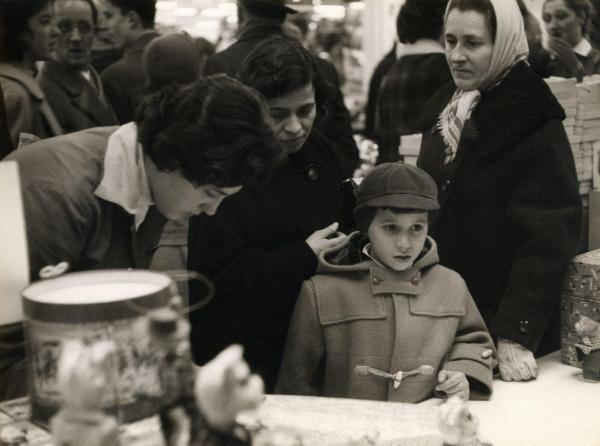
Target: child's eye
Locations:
point(417, 228)
point(389, 228)
point(305, 111)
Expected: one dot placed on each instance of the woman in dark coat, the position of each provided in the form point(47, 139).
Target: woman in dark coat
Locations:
point(263, 244)
point(511, 211)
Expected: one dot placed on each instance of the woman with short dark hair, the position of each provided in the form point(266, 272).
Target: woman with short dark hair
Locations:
point(26, 30)
point(262, 244)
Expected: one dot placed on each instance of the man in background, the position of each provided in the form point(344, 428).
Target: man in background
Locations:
point(72, 87)
point(133, 29)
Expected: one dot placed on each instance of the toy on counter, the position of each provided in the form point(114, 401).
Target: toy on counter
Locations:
point(169, 333)
point(84, 377)
point(589, 333)
point(457, 426)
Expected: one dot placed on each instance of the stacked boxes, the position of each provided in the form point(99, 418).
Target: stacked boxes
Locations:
point(410, 146)
point(580, 296)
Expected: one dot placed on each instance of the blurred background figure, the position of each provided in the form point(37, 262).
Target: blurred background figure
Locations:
point(172, 58)
point(414, 77)
point(27, 37)
point(73, 88)
point(261, 19)
point(105, 50)
point(379, 73)
point(595, 24)
point(6, 145)
point(132, 29)
point(205, 49)
point(567, 23)
point(539, 57)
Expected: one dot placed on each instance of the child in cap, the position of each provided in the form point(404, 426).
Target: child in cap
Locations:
point(383, 320)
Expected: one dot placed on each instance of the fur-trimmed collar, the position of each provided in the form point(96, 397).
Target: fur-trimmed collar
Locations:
point(506, 114)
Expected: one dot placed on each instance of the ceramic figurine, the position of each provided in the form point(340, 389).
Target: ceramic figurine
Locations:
point(457, 426)
point(179, 417)
point(589, 334)
point(84, 377)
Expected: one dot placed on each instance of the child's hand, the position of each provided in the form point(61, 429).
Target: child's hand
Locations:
point(325, 238)
point(453, 384)
point(224, 387)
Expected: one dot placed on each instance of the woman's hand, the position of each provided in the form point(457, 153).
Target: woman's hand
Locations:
point(325, 238)
point(515, 362)
point(453, 384)
point(224, 387)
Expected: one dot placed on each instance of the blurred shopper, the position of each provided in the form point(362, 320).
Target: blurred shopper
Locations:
point(262, 244)
point(6, 145)
point(205, 49)
point(414, 78)
point(510, 214)
point(539, 57)
point(133, 29)
point(567, 23)
point(105, 51)
point(72, 87)
point(379, 73)
point(261, 19)
point(594, 34)
point(169, 59)
point(27, 35)
point(99, 198)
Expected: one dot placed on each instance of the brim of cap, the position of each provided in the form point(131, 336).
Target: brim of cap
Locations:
point(404, 201)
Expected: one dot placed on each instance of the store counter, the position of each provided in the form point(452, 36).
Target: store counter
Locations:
point(557, 409)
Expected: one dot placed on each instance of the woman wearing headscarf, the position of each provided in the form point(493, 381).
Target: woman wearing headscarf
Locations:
point(510, 209)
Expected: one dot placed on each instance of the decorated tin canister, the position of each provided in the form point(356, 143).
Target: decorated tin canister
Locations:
point(92, 306)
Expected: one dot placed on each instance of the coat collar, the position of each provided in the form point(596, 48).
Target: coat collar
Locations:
point(506, 114)
point(348, 258)
point(81, 92)
point(23, 77)
point(259, 31)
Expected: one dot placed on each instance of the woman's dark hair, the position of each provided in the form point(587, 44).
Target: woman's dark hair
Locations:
point(213, 130)
point(280, 65)
point(14, 15)
point(582, 9)
point(484, 7)
point(420, 19)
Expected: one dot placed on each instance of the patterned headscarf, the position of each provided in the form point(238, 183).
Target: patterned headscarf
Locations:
point(510, 47)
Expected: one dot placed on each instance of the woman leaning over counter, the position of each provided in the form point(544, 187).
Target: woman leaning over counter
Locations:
point(510, 209)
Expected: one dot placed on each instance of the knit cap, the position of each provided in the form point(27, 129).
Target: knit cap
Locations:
point(171, 58)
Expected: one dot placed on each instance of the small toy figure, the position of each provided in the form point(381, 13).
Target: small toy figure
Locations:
point(589, 333)
point(457, 426)
point(84, 377)
point(179, 417)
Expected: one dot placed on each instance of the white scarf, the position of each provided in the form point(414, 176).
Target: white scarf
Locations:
point(124, 181)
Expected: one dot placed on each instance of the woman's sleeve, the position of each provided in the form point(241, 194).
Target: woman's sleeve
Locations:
point(545, 211)
point(300, 372)
point(255, 287)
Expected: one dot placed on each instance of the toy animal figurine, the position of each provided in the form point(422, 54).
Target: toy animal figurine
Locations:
point(84, 377)
point(589, 333)
point(179, 417)
point(457, 426)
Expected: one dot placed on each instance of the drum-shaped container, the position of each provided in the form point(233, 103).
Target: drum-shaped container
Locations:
point(93, 306)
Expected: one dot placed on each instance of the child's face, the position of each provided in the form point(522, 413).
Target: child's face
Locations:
point(397, 239)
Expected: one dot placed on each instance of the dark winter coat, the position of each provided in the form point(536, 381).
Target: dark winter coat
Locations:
point(77, 103)
point(254, 250)
point(356, 312)
point(335, 123)
point(510, 214)
point(405, 91)
point(124, 80)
